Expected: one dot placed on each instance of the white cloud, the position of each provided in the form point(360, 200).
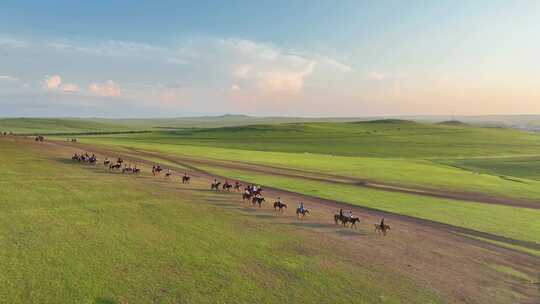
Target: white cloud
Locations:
point(106, 89)
point(70, 88)
point(52, 82)
point(10, 42)
point(377, 76)
point(8, 78)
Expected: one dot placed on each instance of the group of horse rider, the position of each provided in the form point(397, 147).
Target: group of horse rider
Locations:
point(250, 191)
point(84, 157)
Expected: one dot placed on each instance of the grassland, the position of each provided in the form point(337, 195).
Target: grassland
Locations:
point(55, 126)
point(449, 157)
point(380, 139)
point(516, 223)
point(72, 234)
point(421, 173)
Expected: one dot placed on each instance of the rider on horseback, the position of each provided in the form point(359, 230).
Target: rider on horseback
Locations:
point(301, 207)
point(382, 223)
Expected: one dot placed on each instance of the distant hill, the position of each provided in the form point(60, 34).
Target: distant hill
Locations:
point(456, 123)
point(58, 125)
point(90, 125)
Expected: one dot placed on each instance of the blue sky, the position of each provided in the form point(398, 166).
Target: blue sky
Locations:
point(308, 58)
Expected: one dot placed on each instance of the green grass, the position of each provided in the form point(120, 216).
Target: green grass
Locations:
point(505, 245)
point(75, 234)
point(523, 167)
point(517, 223)
point(407, 172)
point(368, 139)
point(512, 272)
point(53, 125)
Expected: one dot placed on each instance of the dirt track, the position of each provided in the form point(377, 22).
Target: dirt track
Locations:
point(337, 179)
point(432, 254)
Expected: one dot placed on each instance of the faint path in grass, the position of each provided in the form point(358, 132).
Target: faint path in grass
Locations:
point(324, 177)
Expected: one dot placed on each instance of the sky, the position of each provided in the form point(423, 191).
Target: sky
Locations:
point(286, 58)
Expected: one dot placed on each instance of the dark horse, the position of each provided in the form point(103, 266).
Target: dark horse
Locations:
point(116, 166)
point(257, 200)
point(279, 206)
point(215, 186)
point(237, 186)
point(246, 196)
point(227, 186)
point(302, 212)
point(384, 228)
point(345, 219)
point(156, 170)
point(185, 179)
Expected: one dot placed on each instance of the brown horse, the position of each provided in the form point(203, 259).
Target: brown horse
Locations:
point(345, 220)
point(384, 228)
point(156, 170)
point(227, 186)
point(300, 212)
point(115, 166)
point(279, 206)
point(215, 186)
point(246, 196)
point(185, 179)
point(257, 200)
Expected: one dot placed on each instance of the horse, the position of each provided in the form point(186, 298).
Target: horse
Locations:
point(345, 219)
point(215, 186)
point(257, 200)
point(258, 191)
point(106, 162)
point(382, 228)
point(246, 196)
point(169, 173)
point(300, 211)
point(279, 206)
point(136, 170)
point(115, 166)
point(156, 170)
point(75, 157)
point(227, 186)
point(127, 170)
point(237, 186)
point(185, 179)
point(119, 161)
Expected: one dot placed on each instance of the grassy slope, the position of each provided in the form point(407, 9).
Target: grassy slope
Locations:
point(393, 139)
point(72, 234)
point(408, 172)
point(52, 125)
point(517, 223)
point(523, 167)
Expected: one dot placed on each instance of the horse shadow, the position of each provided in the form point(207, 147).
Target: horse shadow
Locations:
point(350, 232)
point(311, 225)
point(105, 301)
point(264, 216)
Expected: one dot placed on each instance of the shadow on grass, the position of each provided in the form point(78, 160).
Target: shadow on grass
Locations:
point(312, 225)
point(351, 232)
point(105, 301)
